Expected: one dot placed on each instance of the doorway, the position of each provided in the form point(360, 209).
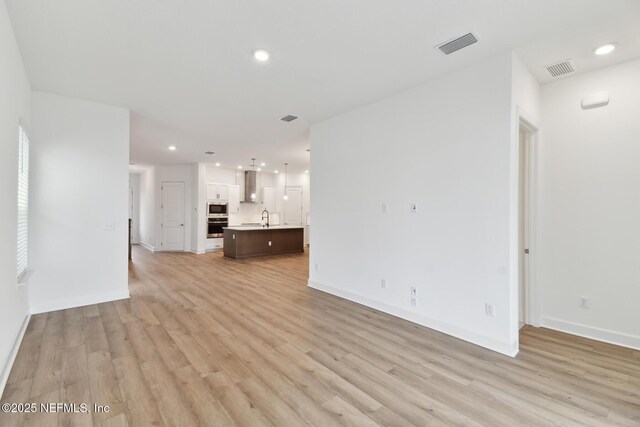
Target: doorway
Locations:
point(525, 221)
point(172, 207)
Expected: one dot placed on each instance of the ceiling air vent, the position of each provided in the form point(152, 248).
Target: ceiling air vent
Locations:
point(456, 44)
point(288, 118)
point(561, 68)
point(210, 152)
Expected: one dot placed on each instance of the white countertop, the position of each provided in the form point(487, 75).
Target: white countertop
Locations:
point(258, 228)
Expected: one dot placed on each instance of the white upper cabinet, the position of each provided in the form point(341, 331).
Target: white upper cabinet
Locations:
point(217, 192)
point(269, 199)
point(223, 190)
point(234, 198)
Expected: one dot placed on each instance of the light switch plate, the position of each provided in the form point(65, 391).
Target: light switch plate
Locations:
point(414, 208)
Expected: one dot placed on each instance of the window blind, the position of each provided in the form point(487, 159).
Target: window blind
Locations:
point(23, 201)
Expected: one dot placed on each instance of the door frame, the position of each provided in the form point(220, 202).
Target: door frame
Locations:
point(131, 203)
point(184, 210)
point(532, 314)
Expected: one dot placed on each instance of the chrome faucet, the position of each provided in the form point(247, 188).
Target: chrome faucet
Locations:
point(263, 213)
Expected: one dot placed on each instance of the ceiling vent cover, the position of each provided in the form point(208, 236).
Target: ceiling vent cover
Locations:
point(561, 68)
point(288, 118)
point(459, 43)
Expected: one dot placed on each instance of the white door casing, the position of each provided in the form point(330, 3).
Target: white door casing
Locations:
point(523, 236)
point(172, 216)
point(130, 202)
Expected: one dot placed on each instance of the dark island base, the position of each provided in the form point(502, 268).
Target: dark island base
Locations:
point(253, 243)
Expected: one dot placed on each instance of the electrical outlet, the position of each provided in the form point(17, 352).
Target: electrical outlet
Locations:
point(413, 296)
point(269, 242)
point(316, 267)
point(414, 208)
point(383, 283)
point(583, 302)
point(110, 226)
point(490, 310)
point(385, 208)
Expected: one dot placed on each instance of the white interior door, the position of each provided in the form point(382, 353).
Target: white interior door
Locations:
point(172, 216)
point(293, 206)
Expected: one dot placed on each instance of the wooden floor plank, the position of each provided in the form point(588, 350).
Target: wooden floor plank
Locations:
point(206, 340)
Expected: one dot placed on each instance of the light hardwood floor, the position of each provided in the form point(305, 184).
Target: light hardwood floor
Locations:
point(211, 341)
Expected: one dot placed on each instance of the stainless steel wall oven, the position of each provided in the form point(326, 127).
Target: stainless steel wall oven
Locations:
point(215, 226)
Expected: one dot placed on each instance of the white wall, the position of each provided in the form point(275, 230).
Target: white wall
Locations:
point(199, 228)
point(526, 91)
point(589, 206)
point(174, 173)
point(79, 186)
point(148, 208)
point(134, 183)
point(14, 106)
point(445, 145)
point(294, 180)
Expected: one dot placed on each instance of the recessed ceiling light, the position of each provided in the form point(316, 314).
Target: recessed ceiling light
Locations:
point(239, 167)
point(306, 171)
point(605, 49)
point(275, 171)
point(261, 55)
point(259, 169)
point(263, 164)
point(217, 164)
point(172, 147)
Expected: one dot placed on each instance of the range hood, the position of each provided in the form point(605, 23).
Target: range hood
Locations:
point(250, 187)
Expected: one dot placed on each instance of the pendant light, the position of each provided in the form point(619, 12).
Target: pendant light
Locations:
point(253, 167)
point(285, 181)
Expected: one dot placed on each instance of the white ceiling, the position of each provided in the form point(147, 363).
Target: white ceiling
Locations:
point(185, 70)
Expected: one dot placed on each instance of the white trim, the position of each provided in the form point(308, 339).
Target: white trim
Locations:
point(147, 246)
point(533, 301)
point(200, 252)
point(455, 331)
point(13, 353)
point(591, 332)
point(72, 302)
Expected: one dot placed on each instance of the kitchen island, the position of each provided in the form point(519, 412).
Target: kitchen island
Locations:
point(245, 242)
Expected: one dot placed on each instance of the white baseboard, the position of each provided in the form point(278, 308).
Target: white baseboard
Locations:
point(200, 252)
point(80, 301)
point(147, 246)
point(455, 331)
point(12, 355)
point(594, 333)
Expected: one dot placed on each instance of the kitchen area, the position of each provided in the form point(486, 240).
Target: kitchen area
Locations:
point(187, 208)
point(254, 212)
